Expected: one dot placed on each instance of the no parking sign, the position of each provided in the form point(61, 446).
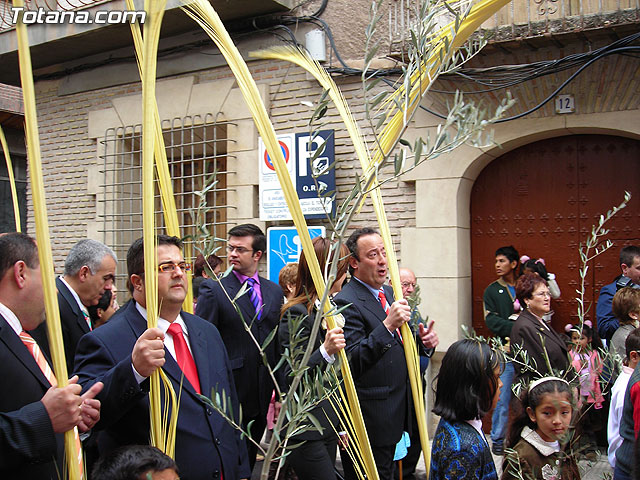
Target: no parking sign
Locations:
point(272, 203)
point(313, 178)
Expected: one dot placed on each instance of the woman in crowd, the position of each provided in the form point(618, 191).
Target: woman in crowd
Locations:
point(468, 387)
point(536, 347)
point(200, 266)
point(537, 265)
point(314, 459)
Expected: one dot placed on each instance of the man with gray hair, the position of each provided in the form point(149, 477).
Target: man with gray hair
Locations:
point(89, 270)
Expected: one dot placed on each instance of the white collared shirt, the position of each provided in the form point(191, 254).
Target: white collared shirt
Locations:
point(11, 318)
point(83, 309)
point(168, 338)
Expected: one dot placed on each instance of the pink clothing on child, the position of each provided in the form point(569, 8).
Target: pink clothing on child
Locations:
point(589, 368)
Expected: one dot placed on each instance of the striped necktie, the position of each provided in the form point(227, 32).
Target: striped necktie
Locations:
point(383, 301)
point(255, 300)
point(87, 318)
point(385, 306)
point(37, 355)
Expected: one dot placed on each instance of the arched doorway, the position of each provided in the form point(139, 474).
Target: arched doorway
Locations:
point(543, 198)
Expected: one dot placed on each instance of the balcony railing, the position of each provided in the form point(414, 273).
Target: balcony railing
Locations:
point(530, 18)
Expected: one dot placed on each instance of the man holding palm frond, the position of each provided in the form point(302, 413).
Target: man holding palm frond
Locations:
point(34, 412)
point(124, 353)
point(375, 348)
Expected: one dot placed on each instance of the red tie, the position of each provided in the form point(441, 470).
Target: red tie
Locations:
point(183, 356)
point(385, 307)
point(383, 301)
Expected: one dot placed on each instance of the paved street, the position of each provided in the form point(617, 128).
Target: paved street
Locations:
point(599, 470)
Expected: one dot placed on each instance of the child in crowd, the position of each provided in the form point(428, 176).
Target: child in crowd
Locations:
point(626, 308)
point(537, 265)
point(632, 356)
point(136, 462)
point(468, 387)
point(587, 363)
point(537, 437)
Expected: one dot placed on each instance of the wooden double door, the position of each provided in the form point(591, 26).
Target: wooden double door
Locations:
point(543, 198)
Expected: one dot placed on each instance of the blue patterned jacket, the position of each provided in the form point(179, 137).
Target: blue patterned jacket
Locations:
point(460, 452)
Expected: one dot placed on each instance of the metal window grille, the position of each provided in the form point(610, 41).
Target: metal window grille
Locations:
point(7, 218)
point(197, 155)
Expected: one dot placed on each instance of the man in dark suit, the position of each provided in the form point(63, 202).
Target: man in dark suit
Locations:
point(260, 308)
point(33, 414)
point(630, 277)
point(375, 347)
point(124, 353)
point(89, 270)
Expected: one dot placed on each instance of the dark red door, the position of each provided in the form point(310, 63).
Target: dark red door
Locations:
point(543, 198)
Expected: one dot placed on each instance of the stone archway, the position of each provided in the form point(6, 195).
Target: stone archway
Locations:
point(438, 248)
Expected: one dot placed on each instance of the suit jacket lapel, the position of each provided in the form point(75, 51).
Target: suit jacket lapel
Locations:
point(368, 301)
point(200, 352)
point(545, 332)
point(17, 348)
point(233, 285)
point(138, 325)
point(266, 297)
point(75, 308)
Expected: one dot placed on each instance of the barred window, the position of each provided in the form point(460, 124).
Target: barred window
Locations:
point(7, 217)
point(197, 155)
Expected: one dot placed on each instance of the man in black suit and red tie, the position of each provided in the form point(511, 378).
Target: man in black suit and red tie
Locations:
point(374, 347)
point(124, 353)
point(260, 307)
point(34, 413)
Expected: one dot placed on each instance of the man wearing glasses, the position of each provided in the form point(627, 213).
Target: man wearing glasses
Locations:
point(259, 310)
point(124, 353)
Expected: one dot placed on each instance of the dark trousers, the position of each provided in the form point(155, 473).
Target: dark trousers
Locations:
point(618, 474)
point(383, 457)
point(314, 459)
point(257, 431)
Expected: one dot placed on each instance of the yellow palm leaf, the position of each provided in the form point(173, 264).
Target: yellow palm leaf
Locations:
point(12, 180)
point(421, 80)
point(162, 165)
point(204, 14)
point(162, 429)
point(54, 331)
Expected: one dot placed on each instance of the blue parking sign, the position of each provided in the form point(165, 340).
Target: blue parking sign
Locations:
point(284, 246)
point(315, 179)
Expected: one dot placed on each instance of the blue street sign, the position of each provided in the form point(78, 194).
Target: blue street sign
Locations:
point(284, 246)
point(317, 178)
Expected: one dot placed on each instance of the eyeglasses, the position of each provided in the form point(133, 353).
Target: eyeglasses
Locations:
point(543, 294)
point(240, 250)
point(408, 284)
point(170, 267)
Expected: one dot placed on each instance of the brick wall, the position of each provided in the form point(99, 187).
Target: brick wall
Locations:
point(11, 99)
point(67, 151)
